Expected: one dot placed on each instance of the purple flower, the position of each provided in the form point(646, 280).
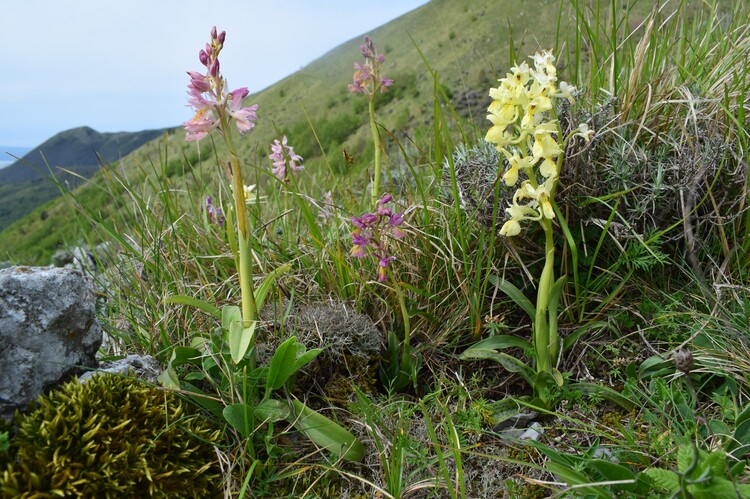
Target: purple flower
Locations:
point(207, 94)
point(367, 79)
point(365, 221)
point(368, 48)
point(202, 123)
point(282, 156)
point(244, 117)
point(371, 232)
point(214, 214)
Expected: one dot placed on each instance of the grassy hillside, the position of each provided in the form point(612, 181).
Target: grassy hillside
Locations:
point(560, 310)
point(73, 155)
point(466, 43)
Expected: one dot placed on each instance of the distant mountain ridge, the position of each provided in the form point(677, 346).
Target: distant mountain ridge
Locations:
point(75, 150)
point(24, 186)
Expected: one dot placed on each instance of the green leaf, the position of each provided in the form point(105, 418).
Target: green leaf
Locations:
point(267, 284)
point(509, 362)
point(514, 294)
point(230, 314)
point(744, 490)
point(655, 367)
point(305, 357)
point(573, 477)
point(239, 338)
point(739, 445)
point(737, 468)
point(239, 417)
point(272, 410)
point(502, 341)
point(195, 376)
point(609, 471)
point(716, 461)
point(168, 378)
point(204, 400)
point(194, 302)
point(545, 389)
point(185, 355)
point(558, 377)
point(180, 356)
point(503, 410)
point(282, 364)
point(743, 416)
point(717, 488)
point(326, 433)
point(664, 479)
point(687, 458)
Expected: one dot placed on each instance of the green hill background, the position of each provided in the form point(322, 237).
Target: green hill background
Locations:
point(73, 156)
point(466, 43)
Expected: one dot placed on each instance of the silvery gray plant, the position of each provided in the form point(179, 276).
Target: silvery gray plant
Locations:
point(479, 191)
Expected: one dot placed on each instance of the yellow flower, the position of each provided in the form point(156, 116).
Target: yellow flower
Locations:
point(545, 146)
point(566, 91)
point(585, 132)
point(249, 195)
point(498, 135)
point(516, 163)
point(520, 74)
point(510, 228)
point(502, 114)
point(522, 212)
point(540, 196)
point(548, 168)
point(517, 213)
point(545, 63)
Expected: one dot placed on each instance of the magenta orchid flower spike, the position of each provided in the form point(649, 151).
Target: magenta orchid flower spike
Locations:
point(208, 95)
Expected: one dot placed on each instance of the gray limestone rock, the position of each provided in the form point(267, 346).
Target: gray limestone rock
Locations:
point(145, 368)
point(48, 332)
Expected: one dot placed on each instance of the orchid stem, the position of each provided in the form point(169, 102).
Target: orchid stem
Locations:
point(376, 143)
point(406, 352)
point(249, 307)
point(542, 334)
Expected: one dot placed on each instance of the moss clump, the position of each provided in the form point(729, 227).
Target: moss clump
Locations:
point(112, 437)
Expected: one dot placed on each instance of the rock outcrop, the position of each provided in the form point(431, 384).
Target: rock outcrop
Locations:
point(48, 332)
point(144, 368)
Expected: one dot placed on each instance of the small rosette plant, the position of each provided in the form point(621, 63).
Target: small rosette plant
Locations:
point(526, 131)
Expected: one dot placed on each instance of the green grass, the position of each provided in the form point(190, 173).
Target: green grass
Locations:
point(654, 250)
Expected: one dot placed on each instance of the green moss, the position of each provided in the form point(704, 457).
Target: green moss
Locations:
point(112, 437)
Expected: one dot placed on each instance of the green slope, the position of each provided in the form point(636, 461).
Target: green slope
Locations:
point(466, 42)
point(74, 155)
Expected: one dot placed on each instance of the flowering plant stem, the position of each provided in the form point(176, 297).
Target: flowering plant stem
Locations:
point(376, 143)
point(406, 346)
point(249, 307)
point(545, 337)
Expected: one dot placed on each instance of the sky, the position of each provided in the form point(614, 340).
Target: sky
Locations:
point(120, 65)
